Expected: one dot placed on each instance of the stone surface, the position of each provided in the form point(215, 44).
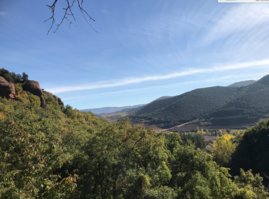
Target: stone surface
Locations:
point(60, 102)
point(57, 99)
point(34, 88)
point(47, 93)
point(7, 89)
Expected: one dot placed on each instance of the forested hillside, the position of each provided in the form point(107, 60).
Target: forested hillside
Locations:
point(55, 151)
point(214, 106)
point(248, 108)
point(185, 107)
point(243, 83)
point(37, 141)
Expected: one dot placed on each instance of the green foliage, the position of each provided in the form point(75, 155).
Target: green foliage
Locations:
point(35, 142)
point(13, 77)
point(250, 186)
point(222, 150)
point(252, 151)
point(195, 138)
point(48, 147)
point(124, 161)
point(24, 77)
point(34, 100)
point(173, 141)
point(196, 175)
point(50, 101)
point(60, 152)
point(27, 161)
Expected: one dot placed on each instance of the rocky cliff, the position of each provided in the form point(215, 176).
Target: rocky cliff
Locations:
point(7, 89)
point(34, 88)
point(57, 99)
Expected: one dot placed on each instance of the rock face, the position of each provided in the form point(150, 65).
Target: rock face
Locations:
point(34, 88)
point(58, 100)
point(7, 89)
point(48, 93)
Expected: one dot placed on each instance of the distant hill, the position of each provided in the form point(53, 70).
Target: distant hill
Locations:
point(124, 109)
point(114, 117)
point(243, 83)
point(109, 109)
point(162, 98)
point(116, 113)
point(184, 108)
point(240, 103)
point(251, 105)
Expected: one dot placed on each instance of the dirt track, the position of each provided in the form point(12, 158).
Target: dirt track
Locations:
point(193, 126)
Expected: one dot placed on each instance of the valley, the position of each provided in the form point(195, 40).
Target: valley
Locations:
point(70, 147)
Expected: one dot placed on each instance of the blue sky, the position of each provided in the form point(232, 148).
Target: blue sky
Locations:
point(145, 49)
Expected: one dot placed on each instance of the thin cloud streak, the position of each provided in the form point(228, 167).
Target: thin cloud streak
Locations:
point(2, 13)
point(228, 77)
point(127, 91)
point(241, 18)
point(159, 77)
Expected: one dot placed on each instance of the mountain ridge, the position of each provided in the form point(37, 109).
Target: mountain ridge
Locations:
point(218, 105)
point(242, 83)
point(110, 109)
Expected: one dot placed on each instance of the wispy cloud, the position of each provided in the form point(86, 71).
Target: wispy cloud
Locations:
point(227, 78)
point(237, 19)
point(127, 91)
point(158, 77)
point(2, 13)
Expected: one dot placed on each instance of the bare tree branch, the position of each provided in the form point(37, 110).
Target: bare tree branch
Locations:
point(265, 175)
point(268, 179)
point(68, 12)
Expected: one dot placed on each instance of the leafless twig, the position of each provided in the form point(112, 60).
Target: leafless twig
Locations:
point(68, 12)
point(268, 179)
point(266, 176)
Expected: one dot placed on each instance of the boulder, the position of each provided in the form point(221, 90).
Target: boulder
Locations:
point(7, 89)
point(48, 93)
point(60, 102)
point(34, 88)
point(57, 99)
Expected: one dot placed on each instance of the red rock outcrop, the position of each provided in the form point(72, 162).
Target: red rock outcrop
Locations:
point(34, 88)
point(48, 93)
point(57, 99)
point(60, 102)
point(7, 89)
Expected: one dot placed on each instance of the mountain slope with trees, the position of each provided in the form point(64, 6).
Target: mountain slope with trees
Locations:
point(35, 143)
point(55, 151)
point(186, 107)
point(248, 108)
point(215, 106)
point(243, 83)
